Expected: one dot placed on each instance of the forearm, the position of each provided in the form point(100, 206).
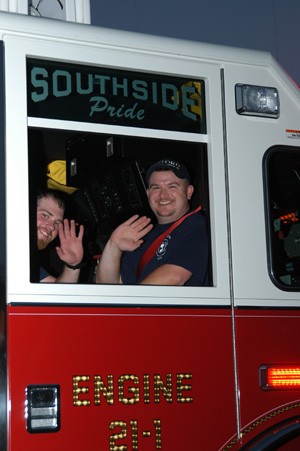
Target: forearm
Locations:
point(109, 267)
point(167, 274)
point(128, 236)
point(68, 275)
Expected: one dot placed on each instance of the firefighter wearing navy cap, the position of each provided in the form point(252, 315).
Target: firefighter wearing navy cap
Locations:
point(172, 252)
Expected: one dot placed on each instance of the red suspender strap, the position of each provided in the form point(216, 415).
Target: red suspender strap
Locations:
point(150, 252)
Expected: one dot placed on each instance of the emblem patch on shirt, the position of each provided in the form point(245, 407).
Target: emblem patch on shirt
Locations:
point(162, 249)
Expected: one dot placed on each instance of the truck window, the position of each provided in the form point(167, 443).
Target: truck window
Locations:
point(102, 177)
point(282, 193)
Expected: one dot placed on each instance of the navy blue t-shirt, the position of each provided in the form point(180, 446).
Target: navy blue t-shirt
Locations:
point(186, 246)
point(43, 273)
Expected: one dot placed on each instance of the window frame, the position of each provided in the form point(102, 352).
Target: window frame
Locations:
point(271, 242)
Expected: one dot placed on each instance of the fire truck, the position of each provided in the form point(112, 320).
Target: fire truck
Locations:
point(136, 367)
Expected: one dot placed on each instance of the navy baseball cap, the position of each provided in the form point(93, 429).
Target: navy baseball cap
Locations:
point(169, 165)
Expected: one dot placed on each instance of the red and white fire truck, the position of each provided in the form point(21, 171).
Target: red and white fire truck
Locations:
point(118, 367)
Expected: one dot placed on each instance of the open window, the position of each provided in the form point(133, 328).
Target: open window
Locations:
point(104, 184)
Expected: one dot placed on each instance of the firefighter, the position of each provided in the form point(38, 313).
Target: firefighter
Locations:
point(172, 252)
point(50, 224)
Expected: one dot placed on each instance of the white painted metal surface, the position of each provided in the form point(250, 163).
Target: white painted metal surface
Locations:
point(247, 139)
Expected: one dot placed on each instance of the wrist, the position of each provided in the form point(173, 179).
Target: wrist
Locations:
point(114, 247)
point(78, 266)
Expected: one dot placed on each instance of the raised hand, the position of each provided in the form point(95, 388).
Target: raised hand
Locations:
point(128, 236)
point(70, 250)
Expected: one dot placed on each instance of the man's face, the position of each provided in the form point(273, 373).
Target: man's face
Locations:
point(49, 215)
point(168, 196)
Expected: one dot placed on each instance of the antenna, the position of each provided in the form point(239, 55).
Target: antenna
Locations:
point(68, 10)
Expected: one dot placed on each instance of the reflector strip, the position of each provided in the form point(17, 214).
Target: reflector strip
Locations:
point(275, 377)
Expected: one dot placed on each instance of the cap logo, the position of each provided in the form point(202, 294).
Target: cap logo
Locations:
point(172, 164)
point(175, 166)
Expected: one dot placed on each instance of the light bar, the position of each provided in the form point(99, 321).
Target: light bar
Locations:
point(257, 101)
point(279, 377)
point(289, 218)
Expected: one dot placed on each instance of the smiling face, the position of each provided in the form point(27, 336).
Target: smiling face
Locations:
point(168, 196)
point(49, 216)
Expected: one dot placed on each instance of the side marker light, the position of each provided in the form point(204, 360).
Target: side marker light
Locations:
point(42, 408)
point(279, 377)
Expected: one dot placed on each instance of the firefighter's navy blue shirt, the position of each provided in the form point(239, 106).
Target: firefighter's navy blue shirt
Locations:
point(186, 246)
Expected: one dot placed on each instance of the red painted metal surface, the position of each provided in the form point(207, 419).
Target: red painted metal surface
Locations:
point(140, 351)
point(266, 337)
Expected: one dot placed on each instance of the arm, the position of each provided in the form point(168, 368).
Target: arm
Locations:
point(126, 237)
point(67, 276)
point(186, 256)
point(70, 252)
point(167, 274)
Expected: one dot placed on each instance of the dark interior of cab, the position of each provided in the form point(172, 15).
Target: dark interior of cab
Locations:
point(103, 178)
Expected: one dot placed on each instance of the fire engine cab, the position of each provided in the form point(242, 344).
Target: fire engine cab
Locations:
point(118, 367)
